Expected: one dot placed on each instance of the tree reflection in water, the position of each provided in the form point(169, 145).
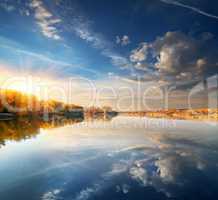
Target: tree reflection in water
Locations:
point(24, 128)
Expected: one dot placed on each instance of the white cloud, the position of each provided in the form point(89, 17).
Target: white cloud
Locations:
point(117, 169)
point(24, 12)
point(175, 58)
point(118, 40)
point(45, 20)
point(118, 60)
point(125, 188)
point(201, 62)
point(99, 42)
point(51, 195)
point(124, 40)
point(17, 6)
point(139, 54)
point(166, 169)
point(82, 27)
point(176, 3)
point(88, 192)
point(37, 56)
point(7, 7)
point(85, 34)
point(139, 174)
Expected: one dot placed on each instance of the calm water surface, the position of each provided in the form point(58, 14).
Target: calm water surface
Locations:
point(125, 158)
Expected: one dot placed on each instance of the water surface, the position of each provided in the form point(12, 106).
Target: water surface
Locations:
point(122, 158)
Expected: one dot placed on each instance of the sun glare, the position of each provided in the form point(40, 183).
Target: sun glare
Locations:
point(22, 87)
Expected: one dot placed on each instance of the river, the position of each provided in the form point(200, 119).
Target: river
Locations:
point(121, 158)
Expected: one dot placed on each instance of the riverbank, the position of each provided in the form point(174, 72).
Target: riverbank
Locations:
point(203, 114)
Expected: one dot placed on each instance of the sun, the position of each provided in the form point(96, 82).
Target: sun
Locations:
point(22, 87)
point(20, 84)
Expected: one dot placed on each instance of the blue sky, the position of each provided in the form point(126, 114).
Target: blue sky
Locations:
point(170, 43)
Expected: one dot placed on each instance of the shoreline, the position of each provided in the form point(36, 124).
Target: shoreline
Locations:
point(195, 115)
